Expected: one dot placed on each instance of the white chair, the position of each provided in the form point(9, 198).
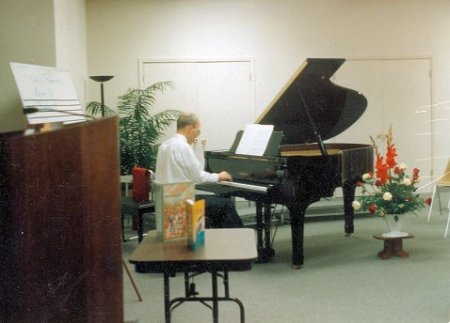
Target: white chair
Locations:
point(443, 181)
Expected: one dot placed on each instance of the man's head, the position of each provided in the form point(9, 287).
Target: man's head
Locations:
point(188, 125)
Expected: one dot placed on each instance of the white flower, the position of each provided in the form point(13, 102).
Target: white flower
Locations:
point(366, 177)
point(407, 181)
point(356, 205)
point(403, 166)
point(387, 196)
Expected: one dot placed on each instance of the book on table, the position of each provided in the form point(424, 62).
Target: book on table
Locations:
point(170, 209)
point(195, 215)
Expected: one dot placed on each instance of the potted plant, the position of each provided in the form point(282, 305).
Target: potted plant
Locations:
point(139, 130)
point(390, 192)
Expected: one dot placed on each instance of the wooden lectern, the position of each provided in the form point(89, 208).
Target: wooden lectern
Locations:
point(60, 246)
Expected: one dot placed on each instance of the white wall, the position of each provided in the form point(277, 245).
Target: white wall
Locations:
point(26, 36)
point(278, 35)
point(44, 32)
point(70, 35)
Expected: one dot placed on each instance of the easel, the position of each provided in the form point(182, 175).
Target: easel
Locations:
point(132, 281)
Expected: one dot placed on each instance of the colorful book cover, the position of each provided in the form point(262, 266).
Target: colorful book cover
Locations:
point(195, 214)
point(170, 209)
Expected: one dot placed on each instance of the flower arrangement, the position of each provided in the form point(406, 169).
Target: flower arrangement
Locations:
point(390, 190)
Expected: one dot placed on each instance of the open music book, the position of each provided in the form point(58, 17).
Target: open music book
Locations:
point(254, 140)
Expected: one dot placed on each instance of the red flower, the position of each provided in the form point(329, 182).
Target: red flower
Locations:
point(390, 156)
point(382, 170)
point(372, 208)
point(428, 201)
point(397, 170)
point(416, 172)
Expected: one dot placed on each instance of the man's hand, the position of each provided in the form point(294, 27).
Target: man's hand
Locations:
point(225, 176)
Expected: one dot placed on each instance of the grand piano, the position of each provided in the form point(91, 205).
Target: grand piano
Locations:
point(297, 167)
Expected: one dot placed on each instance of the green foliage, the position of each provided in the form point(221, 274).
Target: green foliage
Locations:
point(95, 108)
point(390, 190)
point(396, 196)
point(139, 130)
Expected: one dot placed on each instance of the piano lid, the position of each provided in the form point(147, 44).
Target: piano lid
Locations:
point(332, 108)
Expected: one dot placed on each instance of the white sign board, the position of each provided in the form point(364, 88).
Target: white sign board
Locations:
point(47, 94)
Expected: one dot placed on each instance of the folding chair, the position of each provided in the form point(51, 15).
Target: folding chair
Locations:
point(139, 203)
point(136, 206)
point(441, 182)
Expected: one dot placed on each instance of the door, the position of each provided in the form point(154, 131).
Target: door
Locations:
point(220, 92)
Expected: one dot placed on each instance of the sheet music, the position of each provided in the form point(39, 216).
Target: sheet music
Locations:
point(48, 89)
point(255, 139)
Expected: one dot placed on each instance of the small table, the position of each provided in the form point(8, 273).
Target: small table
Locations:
point(225, 250)
point(393, 246)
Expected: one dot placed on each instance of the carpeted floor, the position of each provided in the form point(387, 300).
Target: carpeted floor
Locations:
point(341, 281)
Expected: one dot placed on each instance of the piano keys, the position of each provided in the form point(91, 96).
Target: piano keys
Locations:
point(254, 188)
point(298, 168)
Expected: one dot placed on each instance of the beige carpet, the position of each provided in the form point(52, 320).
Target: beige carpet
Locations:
point(341, 281)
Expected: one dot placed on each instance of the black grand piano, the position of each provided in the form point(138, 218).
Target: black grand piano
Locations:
point(298, 168)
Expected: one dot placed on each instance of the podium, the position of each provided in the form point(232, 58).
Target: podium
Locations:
point(60, 246)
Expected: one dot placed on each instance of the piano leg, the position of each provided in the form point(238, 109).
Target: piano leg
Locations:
point(263, 226)
point(349, 196)
point(270, 252)
point(297, 215)
point(259, 229)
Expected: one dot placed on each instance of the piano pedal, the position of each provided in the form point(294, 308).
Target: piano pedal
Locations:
point(265, 254)
point(192, 291)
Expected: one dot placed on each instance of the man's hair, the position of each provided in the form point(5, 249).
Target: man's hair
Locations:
point(186, 119)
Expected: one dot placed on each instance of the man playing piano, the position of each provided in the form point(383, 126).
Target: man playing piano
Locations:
point(176, 162)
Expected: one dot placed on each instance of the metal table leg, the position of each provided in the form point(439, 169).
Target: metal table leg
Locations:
point(215, 301)
point(167, 297)
point(191, 296)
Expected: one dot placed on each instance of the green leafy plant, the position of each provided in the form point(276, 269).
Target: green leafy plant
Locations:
point(139, 130)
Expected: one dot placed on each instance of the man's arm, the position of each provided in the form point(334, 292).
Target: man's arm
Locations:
point(193, 168)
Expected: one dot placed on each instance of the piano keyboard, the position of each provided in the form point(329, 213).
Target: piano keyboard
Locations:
point(254, 188)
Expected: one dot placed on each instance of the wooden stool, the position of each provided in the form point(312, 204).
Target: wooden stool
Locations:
point(393, 246)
